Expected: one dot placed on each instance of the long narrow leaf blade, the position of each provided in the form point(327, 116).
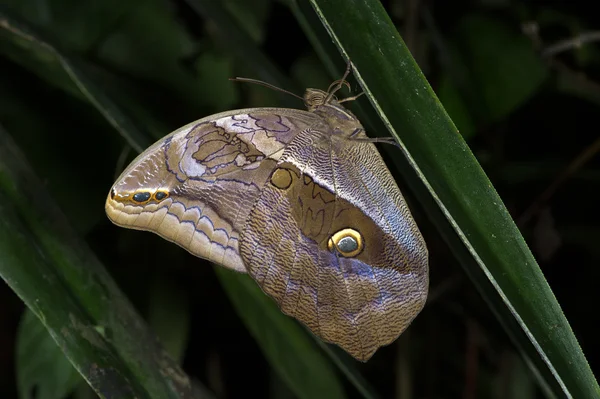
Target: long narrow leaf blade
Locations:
point(402, 97)
point(61, 281)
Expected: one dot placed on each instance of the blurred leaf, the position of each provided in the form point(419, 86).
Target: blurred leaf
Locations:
point(309, 71)
point(116, 33)
point(502, 65)
point(348, 367)
point(169, 315)
point(287, 347)
point(213, 71)
point(159, 58)
point(43, 371)
point(42, 56)
point(243, 46)
point(457, 109)
point(513, 381)
point(574, 83)
point(251, 15)
point(80, 23)
point(39, 123)
point(21, 45)
point(445, 165)
point(49, 267)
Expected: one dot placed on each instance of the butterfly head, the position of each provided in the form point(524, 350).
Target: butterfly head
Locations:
point(315, 98)
point(341, 120)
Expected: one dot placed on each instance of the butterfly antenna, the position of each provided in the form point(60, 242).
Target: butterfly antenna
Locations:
point(261, 83)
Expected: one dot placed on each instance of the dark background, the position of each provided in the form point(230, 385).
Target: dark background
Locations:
point(531, 120)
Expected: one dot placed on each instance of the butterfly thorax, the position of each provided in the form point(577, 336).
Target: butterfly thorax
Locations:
point(341, 121)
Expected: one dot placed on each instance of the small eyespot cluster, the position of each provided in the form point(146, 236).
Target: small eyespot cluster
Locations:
point(140, 197)
point(348, 242)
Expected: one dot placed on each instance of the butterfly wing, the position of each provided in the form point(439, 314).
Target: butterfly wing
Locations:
point(196, 186)
point(324, 184)
point(264, 190)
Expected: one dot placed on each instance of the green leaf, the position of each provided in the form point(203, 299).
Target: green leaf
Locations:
point(213, 71)
point(50, 268)
point(169, 315)
point(243, 46)
point(81, 23)
point(251, 15)
point(450, 97)
point(496, 256)
point(43, 371)
point(26, 46)
point(502, 66)
point(159, 58)
point(287, 347)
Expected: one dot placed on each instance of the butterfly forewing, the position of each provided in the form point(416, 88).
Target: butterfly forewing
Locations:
point(202, 180)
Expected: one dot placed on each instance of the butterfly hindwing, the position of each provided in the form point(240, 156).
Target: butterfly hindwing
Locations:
point(321, 186)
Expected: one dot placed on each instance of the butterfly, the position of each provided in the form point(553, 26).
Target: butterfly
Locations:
point(302, 201)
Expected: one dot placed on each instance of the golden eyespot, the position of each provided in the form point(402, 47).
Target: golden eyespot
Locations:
point(348, 242)
point(281, 178)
